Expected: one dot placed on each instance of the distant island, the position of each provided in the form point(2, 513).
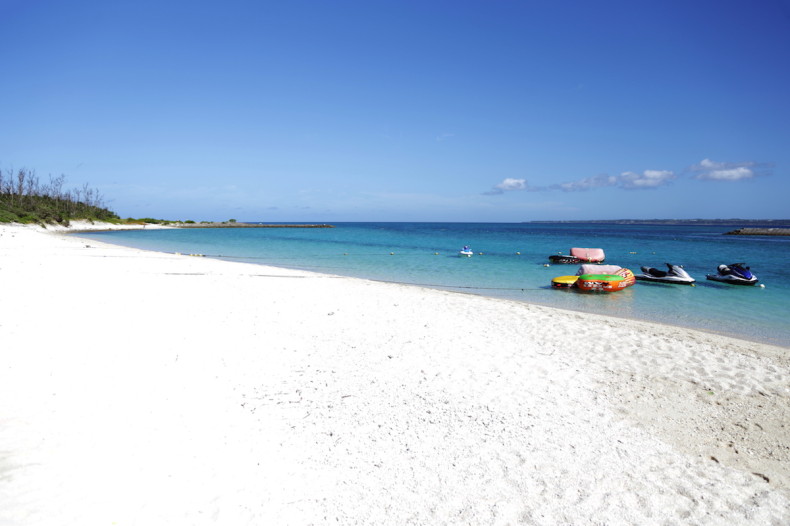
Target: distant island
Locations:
point(759, 232)
point(764, 223)
point(755, 227)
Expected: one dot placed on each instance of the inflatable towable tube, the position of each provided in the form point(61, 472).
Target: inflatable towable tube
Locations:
point(600, 283)
point(564, 282)
point(597, 278)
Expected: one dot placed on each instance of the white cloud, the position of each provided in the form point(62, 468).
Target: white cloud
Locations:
point(708, 170)
point(647, 179)
point(508, 184)
point(588, 183)
point(627, 180)
point(732, 174)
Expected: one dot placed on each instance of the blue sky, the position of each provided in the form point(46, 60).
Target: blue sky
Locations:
point(403, 110)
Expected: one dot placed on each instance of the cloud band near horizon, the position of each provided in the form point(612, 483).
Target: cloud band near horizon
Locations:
point(705, 170)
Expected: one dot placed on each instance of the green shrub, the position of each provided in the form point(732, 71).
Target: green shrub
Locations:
point(24, 199)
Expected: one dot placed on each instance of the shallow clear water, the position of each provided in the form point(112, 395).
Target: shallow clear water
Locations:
point(513, 264)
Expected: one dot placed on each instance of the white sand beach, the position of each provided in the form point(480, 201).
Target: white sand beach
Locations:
point(141, 388)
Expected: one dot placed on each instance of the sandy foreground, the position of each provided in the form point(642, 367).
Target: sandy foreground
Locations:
point(140, 388)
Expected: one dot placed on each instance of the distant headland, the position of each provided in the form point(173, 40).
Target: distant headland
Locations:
point(759, 232)
point(761, 223)
point(755, 227)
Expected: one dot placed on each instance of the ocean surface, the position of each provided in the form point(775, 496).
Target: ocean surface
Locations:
point(511, 261)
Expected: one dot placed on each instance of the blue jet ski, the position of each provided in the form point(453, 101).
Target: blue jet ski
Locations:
point(735, 274)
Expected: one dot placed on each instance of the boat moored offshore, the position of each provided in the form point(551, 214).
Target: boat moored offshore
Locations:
point(735, 274)
point(580, 255)
point(673, 274)
point(465, 252)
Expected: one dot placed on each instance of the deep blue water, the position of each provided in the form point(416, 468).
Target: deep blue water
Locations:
point(510, 262)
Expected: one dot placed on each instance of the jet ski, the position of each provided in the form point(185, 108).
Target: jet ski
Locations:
point(674, 274)
point(465, 252)
point(734, 273)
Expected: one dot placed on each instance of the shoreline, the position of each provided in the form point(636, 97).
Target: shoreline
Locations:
point(253, 225)
point(81, 226)
point(205, 388)
point(570, 310)
point(746, 337)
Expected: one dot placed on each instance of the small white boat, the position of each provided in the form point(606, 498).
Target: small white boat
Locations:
point(465, 252)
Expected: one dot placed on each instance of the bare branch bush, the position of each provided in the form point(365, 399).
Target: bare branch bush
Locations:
point(23, 198)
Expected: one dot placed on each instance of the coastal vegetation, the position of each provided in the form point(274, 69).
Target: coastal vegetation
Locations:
point(25, 199)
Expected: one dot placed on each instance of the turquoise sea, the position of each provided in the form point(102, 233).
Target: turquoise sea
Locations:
point(511, 261)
